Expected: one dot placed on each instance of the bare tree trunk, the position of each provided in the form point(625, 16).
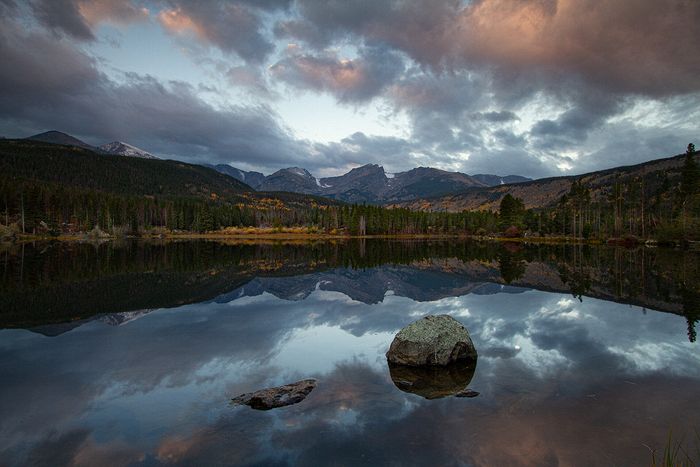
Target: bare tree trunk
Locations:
point(22, 203)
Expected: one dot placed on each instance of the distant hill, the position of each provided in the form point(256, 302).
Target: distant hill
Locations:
point(547, 192)
point(369, 183)
point(117, 148)
point(76, 166)
point(56, 137)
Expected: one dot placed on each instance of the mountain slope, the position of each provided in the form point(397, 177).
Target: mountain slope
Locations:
point(57, 137)
point(78, 167)
point(547, 192)
point(293, 179)
point(119, 148)
point(253, 179)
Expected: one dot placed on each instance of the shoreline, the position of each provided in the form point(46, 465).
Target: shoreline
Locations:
point(299, 236)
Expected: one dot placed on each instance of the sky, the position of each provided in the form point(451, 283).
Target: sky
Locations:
point(529, 87)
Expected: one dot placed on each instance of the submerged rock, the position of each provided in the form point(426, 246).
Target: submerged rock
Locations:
point(433, 382)
point(280, 396)
point(433, 340)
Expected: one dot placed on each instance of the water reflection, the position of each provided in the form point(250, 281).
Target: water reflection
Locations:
point(561, 381)
point(433, 382)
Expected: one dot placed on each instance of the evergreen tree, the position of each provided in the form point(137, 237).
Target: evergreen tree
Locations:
point(511, 211)
point(690, 173)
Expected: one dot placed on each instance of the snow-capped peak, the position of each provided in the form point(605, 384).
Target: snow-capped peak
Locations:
point(300, 172)
point(124, 149)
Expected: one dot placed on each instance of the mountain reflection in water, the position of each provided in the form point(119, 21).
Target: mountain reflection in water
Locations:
point(127, 354)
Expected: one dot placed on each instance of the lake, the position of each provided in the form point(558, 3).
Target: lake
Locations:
point(128, 353)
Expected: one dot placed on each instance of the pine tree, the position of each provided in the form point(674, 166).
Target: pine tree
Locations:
point(690, 173)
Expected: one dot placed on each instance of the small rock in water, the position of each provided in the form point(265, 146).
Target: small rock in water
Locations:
point(467, 393)
point(433, 340)
point(280, 396)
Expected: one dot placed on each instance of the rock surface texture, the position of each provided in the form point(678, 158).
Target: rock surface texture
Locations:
point(280, 396)
point(433, 340)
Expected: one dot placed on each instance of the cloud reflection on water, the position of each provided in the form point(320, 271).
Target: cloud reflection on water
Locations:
point(561, 382)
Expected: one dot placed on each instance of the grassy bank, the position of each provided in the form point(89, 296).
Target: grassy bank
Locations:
point(252, 234)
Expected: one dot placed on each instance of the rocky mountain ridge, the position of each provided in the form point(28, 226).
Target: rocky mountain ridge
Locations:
point(369, 183)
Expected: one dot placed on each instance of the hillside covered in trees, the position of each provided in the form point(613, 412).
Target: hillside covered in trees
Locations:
point(660, 199)
point(53, 189)
point(50, 189)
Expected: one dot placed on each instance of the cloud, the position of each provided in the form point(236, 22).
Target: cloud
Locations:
point(112, 11)
point(62, 16)
point(232, 26)
point(612, 45)
point(543, 83)
point(77, 18)
point(350, 80)
point(50, 84)
point(414, 26)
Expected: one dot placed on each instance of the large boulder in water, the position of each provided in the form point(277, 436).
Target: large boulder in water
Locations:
point(433, 340)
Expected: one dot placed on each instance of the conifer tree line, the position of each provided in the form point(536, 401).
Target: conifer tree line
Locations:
point(648, 206)
point(652, 205)
point(34, 207)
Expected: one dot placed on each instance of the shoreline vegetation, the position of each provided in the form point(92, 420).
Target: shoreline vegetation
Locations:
point(313, 234)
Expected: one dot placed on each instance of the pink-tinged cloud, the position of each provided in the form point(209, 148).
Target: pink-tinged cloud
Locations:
point(355, 79)
point(78, 18)
point(177, 22)
point(631, 47)
point(112, 11)
point(233, 27)
point(623, 46)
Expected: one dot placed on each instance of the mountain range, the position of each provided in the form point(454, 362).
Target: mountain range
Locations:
point(419, 189)
point(369, 183)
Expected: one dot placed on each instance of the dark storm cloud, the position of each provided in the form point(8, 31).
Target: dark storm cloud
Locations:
point(232, 26)
point(8, 7)
point(614, 45)
point(414, 26)
point(63, 16)
point(46, 84)
point(354, 80)
point(77, 18)
point(572, 127)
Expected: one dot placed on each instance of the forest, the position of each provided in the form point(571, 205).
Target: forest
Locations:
point(50, 190)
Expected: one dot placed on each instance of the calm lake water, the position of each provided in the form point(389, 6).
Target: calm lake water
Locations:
point(128, 353)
